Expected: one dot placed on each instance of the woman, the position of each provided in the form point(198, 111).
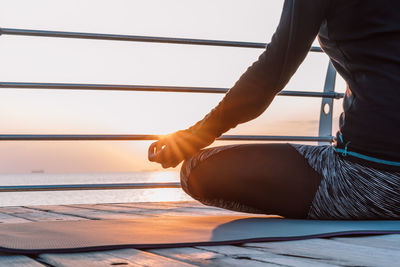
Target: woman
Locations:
point(356, 178)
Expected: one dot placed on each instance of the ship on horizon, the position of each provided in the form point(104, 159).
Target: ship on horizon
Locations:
point(37, 171)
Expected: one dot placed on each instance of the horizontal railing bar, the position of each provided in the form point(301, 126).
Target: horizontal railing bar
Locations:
point(135, 38)
point(149, 88)
point(77, 137)
point(127, 137)
point(275, 138)
point(70, 187)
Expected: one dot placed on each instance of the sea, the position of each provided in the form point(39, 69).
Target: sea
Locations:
point(89, 196)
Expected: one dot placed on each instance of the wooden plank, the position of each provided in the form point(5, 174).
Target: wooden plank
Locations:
point(23, 261)
point(7, 218)
point(166, 212)
point(201, 257)
point(144, 258)
point(263, 256)
point(208, 211)
point(333, 252)
point(142, 210)
point(197, 206)
point(13, 210)
point(125, 257)
point(163, 209)
point(165, 205)
point(183, 204)
point(189, 212)
point(110, 208)
point(102, 212)
point(381, 241)
point(189, 203)
point(152, 210)
point(130, 210)
point(87, 259)
point(35, 215)
point(146, 205)
point(188, 207)
point(87, 213)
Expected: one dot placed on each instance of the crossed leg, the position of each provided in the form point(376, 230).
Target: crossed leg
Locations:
point(256, 178)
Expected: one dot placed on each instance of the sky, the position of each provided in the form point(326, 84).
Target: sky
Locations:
point(34, 59)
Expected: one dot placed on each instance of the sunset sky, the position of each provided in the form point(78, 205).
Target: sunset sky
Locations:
point(29, 59)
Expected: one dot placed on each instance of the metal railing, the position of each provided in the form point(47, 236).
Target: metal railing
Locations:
point(150, 88)
point(325, 125)
point(135, 38)
point(145, 137)
point(74, 187)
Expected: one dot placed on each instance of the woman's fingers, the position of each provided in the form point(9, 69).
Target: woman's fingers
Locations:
point(151, 153)
point(154, 150)
point(168, 156)
point(162, 153)
point(173, 149)
point(165, 156)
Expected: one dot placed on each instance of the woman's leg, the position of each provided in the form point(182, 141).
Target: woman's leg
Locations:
point(257, 178)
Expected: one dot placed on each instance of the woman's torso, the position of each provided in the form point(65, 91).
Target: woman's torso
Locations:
point(362, 37)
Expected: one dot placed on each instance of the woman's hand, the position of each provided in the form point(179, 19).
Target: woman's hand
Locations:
point(172, 149)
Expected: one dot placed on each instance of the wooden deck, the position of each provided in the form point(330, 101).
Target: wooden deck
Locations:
point(381, 250)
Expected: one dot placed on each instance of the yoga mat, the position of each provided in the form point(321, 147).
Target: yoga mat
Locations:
point(162, 232)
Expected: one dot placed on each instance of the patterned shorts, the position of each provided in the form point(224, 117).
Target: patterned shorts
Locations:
point(350, 190)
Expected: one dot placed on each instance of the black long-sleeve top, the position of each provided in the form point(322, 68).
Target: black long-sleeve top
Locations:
point(362, 38)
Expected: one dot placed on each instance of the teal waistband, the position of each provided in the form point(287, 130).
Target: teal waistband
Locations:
point(361, 156)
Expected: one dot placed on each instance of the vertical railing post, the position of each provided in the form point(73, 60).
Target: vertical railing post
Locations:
point(326, 114)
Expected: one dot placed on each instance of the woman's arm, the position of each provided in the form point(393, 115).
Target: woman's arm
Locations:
point(256, 88)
